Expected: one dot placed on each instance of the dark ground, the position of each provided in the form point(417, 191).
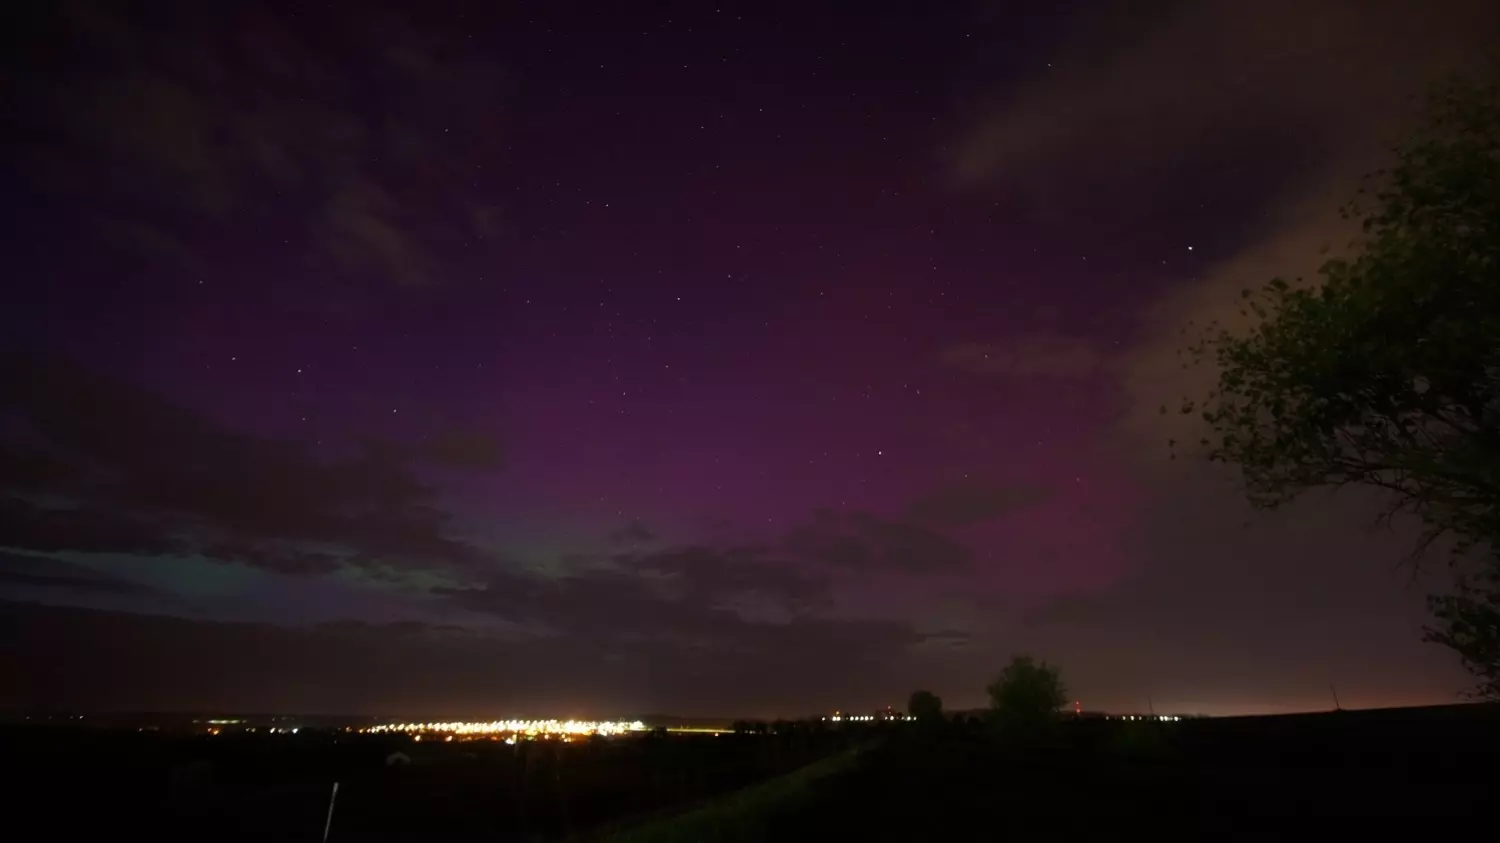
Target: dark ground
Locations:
point(73, 782)
point(1426, 772)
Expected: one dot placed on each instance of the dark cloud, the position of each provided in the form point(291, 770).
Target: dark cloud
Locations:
point(91, 660)
point(465, 449)
point(698, 616)
point(1204, 101)
point(592, 604)
point(646, 624)
point(1268, 609)
point(949, 637)
point(634, 532)
point(277, 558)
point(29, 466)
point(84, 529)
point(346, 143)
point(910, 547)
point(136, 473)
point(25, 571)
point(867, 542)
point(677, 594)
point(973, 501)
point(1037, 355)
point(99, 660)
point(703, 574)
point(175, 481)
point(1212, 91)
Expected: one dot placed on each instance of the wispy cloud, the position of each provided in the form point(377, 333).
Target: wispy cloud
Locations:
point(248, 127)
point(966, 502)
point(106, 467)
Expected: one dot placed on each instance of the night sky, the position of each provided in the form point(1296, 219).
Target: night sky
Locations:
point(712, 358)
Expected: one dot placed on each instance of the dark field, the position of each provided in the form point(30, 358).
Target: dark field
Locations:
point(1270, 777)
point(1426, 773)
point(239, 786)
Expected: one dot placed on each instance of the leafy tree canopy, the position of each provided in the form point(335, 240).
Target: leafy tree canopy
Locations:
point(925, 705)
point(1386, 373)
point(1027, 692)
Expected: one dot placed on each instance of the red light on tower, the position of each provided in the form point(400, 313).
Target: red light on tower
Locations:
point(1077, 707)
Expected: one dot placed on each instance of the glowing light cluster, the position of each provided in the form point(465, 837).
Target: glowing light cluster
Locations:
point(529, 728)
point(867, 718)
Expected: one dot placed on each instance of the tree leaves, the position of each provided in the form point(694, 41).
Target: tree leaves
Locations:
point(1027, 694)
point(1386, 373)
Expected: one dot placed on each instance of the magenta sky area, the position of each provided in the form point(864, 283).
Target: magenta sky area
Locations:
point(710, 358)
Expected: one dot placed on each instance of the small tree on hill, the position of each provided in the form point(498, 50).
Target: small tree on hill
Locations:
point(925, 706)
point(1027, 693)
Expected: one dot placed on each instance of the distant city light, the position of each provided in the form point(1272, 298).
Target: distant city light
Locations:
point(529, 728)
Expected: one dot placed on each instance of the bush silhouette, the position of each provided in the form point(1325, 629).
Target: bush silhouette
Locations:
point(1027, 695)
point(925, 706)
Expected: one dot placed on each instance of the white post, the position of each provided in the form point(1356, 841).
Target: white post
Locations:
point(328, 823)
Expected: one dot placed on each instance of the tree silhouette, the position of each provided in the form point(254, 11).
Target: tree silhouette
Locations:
point(925, 706)
point(1027, 694)
point(1386, 373)
point(1469, 622)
